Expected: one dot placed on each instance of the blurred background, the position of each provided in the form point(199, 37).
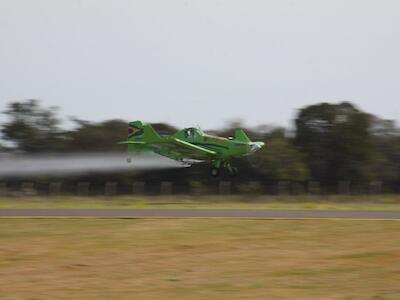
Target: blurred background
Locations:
point(332, 148)
point(316, 80)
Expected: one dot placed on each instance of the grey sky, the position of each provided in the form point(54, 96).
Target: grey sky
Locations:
point(200, 62)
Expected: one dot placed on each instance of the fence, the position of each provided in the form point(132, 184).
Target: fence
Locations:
point(111, 188)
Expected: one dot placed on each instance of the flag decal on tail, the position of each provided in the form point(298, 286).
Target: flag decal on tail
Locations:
point(135, 131)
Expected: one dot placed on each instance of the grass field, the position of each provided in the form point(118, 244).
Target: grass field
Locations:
point(199, 259)
point(366, 202)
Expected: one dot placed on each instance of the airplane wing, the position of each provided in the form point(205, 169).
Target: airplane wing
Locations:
point(133, 142)
point(176, 149)
point(180, 143)
point(194, 148)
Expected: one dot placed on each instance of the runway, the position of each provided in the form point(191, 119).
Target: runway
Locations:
point(200, 213)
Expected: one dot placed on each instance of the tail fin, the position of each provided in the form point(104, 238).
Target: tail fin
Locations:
point(241, 136)
point(137, 131)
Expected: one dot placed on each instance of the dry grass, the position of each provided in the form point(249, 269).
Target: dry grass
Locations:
point(198, 259)
point(342, 202)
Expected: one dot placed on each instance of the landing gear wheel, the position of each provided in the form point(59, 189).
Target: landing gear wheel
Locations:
point(129, 160)
point(233, 172)
point(214, 172)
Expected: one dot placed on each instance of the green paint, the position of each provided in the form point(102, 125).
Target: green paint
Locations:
point(191, 145)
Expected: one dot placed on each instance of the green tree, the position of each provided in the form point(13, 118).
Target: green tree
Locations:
point(103, 136)
point(337, 141)
point(386, 141)
point(32, 128)
point(280, 160)
point(164, 128)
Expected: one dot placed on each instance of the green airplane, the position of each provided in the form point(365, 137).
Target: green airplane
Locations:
point(191, 145)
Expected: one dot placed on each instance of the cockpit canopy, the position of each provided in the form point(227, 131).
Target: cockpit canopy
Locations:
point(192, 132)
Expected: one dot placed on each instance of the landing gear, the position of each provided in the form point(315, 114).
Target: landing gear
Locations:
point(233, 171)
point(216, 167)
point(128, 160)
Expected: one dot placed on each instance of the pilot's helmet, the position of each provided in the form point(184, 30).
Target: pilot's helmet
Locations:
point(192, 132)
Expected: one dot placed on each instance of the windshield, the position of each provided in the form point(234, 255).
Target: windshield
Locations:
point(192, 132)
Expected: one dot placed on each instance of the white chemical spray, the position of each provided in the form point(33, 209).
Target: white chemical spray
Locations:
point(62, 164)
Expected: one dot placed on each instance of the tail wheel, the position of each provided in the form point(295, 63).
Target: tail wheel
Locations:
point(214, 172)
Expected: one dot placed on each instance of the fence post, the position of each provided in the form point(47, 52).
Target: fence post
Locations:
point(110, 188)
point(166, 188)
point(375, 187)
point(3, 189)
point(138, 187)
point(54, 188)
point(283, 188)
point(314, 188)
point(344, 187)
point(255, 187)
point(225, 187)
point(197, 188)
point(251, 187)
point(297, 188)
point(83, 188)
point(28, 189)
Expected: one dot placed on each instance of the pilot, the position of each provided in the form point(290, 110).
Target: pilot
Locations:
point(190, 133)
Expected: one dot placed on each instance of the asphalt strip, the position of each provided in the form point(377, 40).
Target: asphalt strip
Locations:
point(199, 213)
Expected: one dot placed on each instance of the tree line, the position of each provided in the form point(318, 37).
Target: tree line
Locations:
point(329, 142)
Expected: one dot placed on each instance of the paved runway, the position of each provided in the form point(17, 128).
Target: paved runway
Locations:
point(201, 213)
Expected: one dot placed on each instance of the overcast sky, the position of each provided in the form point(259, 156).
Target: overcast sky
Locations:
point(200, 62)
